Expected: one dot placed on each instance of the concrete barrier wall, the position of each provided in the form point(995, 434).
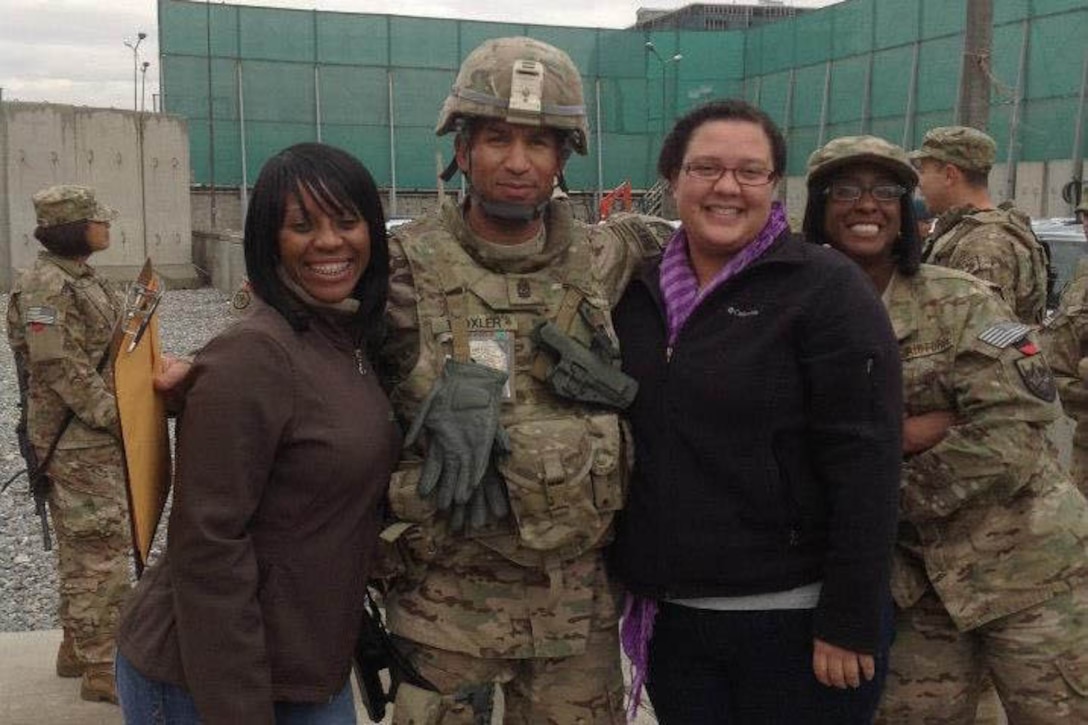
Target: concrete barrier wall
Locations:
point(220, 259)
point(137, 163)
point(45, 144)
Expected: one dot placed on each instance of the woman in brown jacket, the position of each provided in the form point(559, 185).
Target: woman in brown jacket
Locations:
point(284, 452)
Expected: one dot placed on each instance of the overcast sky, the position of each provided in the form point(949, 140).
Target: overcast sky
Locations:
point(73, 51)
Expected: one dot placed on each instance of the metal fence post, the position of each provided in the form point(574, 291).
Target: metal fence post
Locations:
point(1014, 121)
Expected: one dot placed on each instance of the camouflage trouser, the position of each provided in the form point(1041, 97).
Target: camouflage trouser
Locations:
point(88, 506)
point(585, 688)
point(1037, 659)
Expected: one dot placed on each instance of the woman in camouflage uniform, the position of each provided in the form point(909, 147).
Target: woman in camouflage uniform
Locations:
point(990, 562)
point(60, 321)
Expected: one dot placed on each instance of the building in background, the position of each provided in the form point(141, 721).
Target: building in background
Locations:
point(716, 16)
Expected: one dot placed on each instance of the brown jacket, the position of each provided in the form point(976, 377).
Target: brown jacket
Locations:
point(284, 455)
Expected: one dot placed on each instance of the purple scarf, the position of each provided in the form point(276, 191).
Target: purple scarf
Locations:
point(680, 290)
point(680, 286)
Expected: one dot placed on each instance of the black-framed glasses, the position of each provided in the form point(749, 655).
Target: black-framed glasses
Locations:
point(744, 175)
point(849, 191)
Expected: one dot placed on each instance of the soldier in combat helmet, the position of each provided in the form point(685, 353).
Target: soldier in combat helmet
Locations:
point(992, 242)
point(501, 354)
point(60, 321)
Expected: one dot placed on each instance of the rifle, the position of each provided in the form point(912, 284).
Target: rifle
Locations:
point(375, 651)
point(35, 472)
point(37, 479)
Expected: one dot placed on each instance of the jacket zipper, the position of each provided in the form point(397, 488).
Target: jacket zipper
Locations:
point(360, 359)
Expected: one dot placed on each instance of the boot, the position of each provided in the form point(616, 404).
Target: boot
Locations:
point(68, 662)
point(98, 684)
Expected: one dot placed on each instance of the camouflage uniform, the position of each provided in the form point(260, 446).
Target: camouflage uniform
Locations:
point(523, 601)
point(989, 572)
point(60, 320)
point(996, 245)
point(1065, 339)
point(526, 599)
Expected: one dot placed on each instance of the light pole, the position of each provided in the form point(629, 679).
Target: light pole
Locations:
point(664, 63)
point(143, 85)
point(135, 64)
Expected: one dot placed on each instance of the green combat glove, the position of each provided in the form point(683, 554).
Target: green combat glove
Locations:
point(461, 417)
point(488, 500)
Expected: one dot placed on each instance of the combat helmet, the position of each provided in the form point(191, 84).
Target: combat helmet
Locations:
point(519, 80)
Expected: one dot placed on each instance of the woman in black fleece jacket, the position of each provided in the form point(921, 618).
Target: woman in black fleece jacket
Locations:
point(767, 428)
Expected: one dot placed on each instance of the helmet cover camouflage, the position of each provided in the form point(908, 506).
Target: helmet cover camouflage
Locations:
point(962, 146)
point(67, 204)
point(519, 80)
point(845, 150)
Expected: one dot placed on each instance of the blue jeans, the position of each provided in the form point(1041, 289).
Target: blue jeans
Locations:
point(149, 702)
point(716, 668)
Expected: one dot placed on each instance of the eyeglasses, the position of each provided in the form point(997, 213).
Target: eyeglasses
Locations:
point(744, 175)
point(844, 191)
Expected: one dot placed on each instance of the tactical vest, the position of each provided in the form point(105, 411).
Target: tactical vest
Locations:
point(566, 473)
point(956, 225)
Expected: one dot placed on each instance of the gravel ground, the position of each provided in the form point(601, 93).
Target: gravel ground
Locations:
point(28, 584)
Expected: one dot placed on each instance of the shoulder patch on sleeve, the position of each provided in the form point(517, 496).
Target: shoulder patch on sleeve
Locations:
point(1037, 377)
point(1003, 334)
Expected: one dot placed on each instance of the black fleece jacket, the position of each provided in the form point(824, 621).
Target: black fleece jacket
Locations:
point(767, 440)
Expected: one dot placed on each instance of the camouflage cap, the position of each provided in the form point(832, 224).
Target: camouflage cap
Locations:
point(845, 150)
point(519, 80)
point(1082, 208)
point(69, 203)
point(962, 146)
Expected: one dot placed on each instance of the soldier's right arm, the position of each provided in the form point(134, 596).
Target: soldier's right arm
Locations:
point(57, 358)
point(624, 243)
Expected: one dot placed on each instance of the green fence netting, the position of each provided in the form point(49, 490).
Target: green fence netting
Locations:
point(252, 80)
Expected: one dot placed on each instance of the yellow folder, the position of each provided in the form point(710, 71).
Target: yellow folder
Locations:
point(142, 411)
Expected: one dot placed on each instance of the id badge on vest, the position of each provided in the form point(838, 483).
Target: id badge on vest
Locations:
point(490, 342)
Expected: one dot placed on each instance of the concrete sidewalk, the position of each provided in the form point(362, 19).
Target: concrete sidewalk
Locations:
point(32, 694)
